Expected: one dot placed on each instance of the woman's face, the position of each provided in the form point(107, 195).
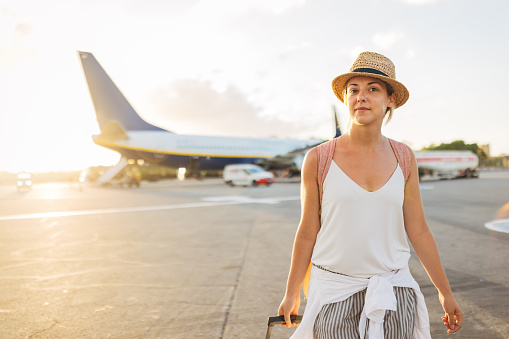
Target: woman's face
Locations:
point(367, 100)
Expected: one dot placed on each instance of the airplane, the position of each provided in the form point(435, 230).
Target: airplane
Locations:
point(123, 130)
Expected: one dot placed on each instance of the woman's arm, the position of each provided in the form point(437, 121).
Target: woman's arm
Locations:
point(424, 245)
point(305, 238)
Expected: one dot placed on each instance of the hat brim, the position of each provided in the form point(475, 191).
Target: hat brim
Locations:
point(401, 92)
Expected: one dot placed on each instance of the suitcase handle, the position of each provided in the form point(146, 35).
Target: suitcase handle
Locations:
point(281, 319)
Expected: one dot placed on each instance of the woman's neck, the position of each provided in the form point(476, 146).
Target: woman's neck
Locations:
point(365, 137)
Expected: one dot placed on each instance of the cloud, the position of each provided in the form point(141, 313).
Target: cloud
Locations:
point(386, 41)
point(23, 30)
point(419, 2)
point(277, 6)
point(354, 53)
point(226, 7)
point(193, 106)
point(292, 50)
point(16, 39)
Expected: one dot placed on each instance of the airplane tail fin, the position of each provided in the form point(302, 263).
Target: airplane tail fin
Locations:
point(338, 130)
point(112, 109)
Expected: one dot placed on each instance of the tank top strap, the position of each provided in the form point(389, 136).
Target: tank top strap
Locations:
point(403, 155)
point(325, 152)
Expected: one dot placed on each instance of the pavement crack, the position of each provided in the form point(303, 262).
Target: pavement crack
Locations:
point(235, 287)
point(55, 322)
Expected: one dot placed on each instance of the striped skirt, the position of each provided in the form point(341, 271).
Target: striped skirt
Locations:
point(341, 320)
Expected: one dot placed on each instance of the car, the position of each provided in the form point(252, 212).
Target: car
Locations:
point(24, 181)
point(247, 175)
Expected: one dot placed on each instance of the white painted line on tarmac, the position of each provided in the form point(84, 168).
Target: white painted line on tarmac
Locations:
point(207, 202)
point(500, 225)
point(425, 187)
point(247, 200)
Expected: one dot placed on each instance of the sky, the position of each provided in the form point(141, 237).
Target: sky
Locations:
point(245, 68)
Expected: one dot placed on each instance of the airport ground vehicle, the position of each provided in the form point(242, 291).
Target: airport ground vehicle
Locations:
point(447, 164)
point(24, 181)
point(247, 174)
point(130, 176)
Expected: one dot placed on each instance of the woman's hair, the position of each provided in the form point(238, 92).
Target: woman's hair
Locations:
point(390, 110)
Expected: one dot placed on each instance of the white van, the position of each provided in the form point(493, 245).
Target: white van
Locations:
point(247, 174)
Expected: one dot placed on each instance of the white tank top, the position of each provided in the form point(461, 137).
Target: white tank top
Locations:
point(362, 232)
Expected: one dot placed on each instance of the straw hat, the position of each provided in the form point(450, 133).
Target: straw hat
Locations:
point(376, 66)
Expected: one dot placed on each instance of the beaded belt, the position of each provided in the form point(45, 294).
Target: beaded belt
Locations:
point(346, 275)
point(323, 268)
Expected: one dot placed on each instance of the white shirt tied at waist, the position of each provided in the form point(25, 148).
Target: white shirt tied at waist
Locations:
point(328, 287)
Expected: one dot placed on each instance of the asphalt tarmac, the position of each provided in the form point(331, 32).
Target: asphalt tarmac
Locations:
point(199, 259)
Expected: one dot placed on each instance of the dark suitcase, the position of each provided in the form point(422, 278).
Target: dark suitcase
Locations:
point(280, 320)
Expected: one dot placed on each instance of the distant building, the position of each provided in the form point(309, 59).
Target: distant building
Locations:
point(501, 161)
point(486, 150)
point(505, 160)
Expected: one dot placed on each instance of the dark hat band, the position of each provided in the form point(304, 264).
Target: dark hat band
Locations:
point(370, 70)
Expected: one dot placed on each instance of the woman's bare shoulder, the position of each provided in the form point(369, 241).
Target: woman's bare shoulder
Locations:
point(309, 176)
point(310, 164)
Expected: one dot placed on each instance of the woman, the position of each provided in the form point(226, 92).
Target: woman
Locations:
point(360, 200)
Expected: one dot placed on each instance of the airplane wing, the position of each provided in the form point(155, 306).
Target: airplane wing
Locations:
point(293, 160)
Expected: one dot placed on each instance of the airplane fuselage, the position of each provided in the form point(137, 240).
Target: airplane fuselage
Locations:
point(203, 152)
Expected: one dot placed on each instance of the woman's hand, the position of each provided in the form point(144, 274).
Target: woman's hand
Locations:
point(289, 306)
point(453, 318)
